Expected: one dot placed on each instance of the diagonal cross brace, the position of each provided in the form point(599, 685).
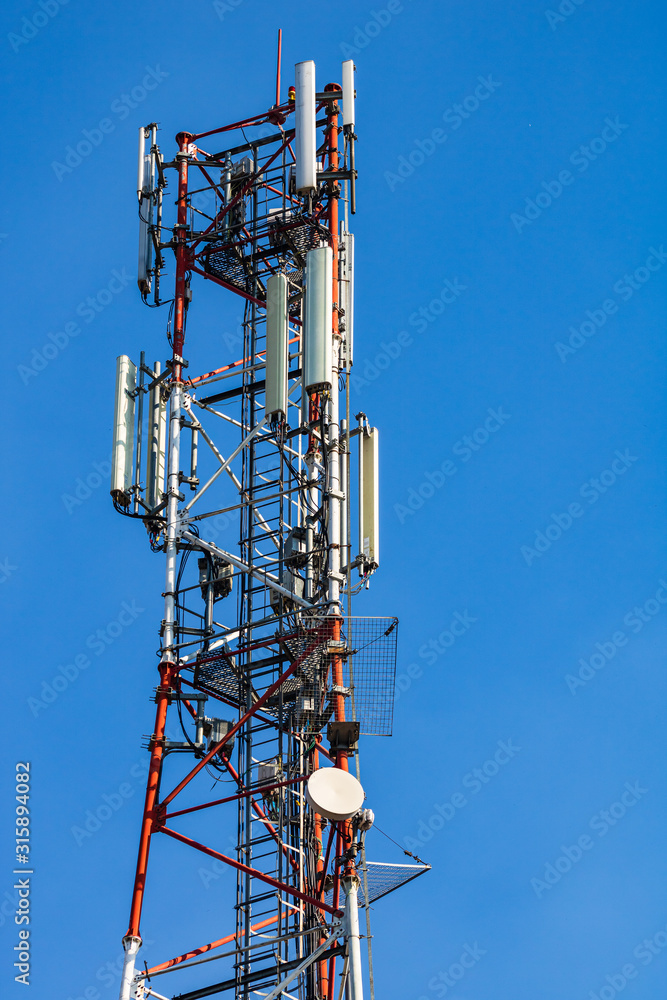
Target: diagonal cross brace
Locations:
point(277, 990)
point(234, 730)
point(282, 886)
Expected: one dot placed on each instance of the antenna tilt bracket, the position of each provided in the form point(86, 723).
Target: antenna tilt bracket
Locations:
point(177, 360)
point(343, 736)
point(337, 647)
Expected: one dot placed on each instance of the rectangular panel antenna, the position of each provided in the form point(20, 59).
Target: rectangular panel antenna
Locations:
point(157, 436)
point(276, 347)
point(317, 332)
point(369, 504)
point(305, 138)
point(347, 292)
point(123, 430)
point(348, 94)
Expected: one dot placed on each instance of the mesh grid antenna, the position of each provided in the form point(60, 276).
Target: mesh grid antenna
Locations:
point(383, 878)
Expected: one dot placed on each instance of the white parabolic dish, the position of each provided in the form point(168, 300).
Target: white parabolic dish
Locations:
point(334, 793)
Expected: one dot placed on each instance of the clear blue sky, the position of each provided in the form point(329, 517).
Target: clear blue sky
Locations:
point(512, 255)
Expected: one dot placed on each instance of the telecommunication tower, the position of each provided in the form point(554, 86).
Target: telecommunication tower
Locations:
point(267, 674)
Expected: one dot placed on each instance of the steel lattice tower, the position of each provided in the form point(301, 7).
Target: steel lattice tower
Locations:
point(284, 691)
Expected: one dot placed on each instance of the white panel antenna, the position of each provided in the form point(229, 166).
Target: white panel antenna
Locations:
point(317, 334)
point(141, 160)
point(369, 505)
point(123, 430)
point(347, 291)
point(276, 347)
point(157, 436)
point(145, 190)
point(348, 93)
point(305, 138)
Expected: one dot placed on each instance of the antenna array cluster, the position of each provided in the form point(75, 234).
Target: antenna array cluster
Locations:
point(271, 677)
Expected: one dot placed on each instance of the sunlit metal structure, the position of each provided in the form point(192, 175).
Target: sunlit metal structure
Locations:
point(268, 676)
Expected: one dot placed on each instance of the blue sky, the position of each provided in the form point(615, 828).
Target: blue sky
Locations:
point(511, 248)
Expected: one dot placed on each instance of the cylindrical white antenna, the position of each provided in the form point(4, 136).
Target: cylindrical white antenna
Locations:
point(123, 430)
point(305, 149)
point(145, 259)
point(141, 163)
point(348, 93)
point(157, 437)
point(369, 504)
point(275, 401)
point(347, 291)
point(317, 334)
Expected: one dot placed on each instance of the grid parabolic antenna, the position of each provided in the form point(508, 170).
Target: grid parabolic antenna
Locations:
point(383, 878)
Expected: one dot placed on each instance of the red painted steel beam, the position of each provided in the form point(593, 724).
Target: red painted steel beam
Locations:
point(255, 120)
point(230, 288)
point(217, 371)
point(242, 193)
point(167, 674)
point(208, 177)
point(234, 730)
point(234, 798)
point(209, 947)
point(262, 815)
point(282, 886)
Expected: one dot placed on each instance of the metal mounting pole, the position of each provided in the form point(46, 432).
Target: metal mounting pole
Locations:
point(351, 886)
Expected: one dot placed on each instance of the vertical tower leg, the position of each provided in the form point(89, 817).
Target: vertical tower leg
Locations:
point(168, 668)
point(351, 886)
point(132, 940)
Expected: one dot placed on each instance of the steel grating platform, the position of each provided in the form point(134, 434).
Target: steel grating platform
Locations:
point(234, 261)
point(367, 649)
